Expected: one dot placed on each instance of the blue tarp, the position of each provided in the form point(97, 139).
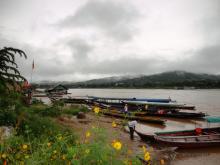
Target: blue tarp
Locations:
point(213, 119)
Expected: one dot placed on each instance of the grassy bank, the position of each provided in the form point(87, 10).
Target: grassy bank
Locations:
point(38, 139)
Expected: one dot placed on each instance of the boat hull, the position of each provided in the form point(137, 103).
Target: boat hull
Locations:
point(208, 137)
point(206, 142)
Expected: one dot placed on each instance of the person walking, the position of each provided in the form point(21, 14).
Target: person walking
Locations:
point(131, 126)
point(126, 108)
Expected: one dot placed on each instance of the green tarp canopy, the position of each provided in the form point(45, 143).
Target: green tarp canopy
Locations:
point(213, 119)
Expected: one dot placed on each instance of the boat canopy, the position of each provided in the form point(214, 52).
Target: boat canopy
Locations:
point(213, 119)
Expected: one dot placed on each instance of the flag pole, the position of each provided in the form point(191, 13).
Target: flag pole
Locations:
point(32, 69)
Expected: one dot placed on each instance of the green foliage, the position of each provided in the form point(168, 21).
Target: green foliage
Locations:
point(74, 110)
point(36, 126)
point(10, 108)
point(61, 147)
point(9, 73)
point(50, 111)
point(7, 118)
point(37, 102)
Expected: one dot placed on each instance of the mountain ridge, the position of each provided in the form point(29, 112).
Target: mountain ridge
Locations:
point(170, 79)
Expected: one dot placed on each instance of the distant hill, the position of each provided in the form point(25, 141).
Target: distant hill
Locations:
point(173, 79)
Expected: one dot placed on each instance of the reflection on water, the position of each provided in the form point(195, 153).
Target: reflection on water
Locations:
point(205, 101)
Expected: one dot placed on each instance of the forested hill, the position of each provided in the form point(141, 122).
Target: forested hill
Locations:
point(174, 79)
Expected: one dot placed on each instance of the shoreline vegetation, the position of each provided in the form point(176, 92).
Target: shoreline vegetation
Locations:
point(43, 134)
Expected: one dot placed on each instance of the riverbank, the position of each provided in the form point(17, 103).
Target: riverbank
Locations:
point(119, 132)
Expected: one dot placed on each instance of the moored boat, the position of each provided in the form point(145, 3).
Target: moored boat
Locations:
point(185, 115)
point(199, 137)
point(190, 141)
point(138, 118)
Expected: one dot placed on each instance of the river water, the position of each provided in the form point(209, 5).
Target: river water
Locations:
point(207, 101)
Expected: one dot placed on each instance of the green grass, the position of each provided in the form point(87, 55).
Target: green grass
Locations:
point(38, 140)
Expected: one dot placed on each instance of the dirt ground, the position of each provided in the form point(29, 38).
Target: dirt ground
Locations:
point(119, 133)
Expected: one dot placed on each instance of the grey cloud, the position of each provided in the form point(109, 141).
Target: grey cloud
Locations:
point(203, 60)
point(80, 48)
point(122, 66)
point(207, 59)
point(209, 24)
point(114, 19)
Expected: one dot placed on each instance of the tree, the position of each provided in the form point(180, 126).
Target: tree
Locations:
point(9, 74)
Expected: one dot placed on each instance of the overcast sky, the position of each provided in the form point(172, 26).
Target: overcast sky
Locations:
point(74, 40)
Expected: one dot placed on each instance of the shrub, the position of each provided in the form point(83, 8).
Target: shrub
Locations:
point(35, 126)
point(72, 110)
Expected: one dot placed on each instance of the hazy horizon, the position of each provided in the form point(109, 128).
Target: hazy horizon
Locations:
point(119, 76)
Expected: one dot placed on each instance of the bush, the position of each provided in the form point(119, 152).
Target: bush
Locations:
point(74, 110)
point(34, 125)
point(7, 117)
point(63, 149)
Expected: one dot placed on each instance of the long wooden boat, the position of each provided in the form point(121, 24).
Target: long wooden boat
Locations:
point(161, 105)
point(190, 141)
point(168, 114)
point(138, 118)
point(185, 115)
point(121, 99)
point(186, 138)
point(77, 100)
point(120, 102)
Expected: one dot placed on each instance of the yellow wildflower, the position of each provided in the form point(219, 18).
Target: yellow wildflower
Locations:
point(144, 149)
point(54, 157)
point(88, 134)
point(96, 110)
point(114, 124)
point(147, 156)
point(49, 144)
point(60, 138)
point(117, 145)
point(87, 151)
point(4, 156)
point(93, 127)
point(129, 152)
point(162, 162)
point(64, 157)
point(125, 162)
point(55, 151)
point(25, 146)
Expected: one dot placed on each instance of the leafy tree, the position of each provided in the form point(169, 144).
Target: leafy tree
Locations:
point(9, 73)
point(9, 76)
